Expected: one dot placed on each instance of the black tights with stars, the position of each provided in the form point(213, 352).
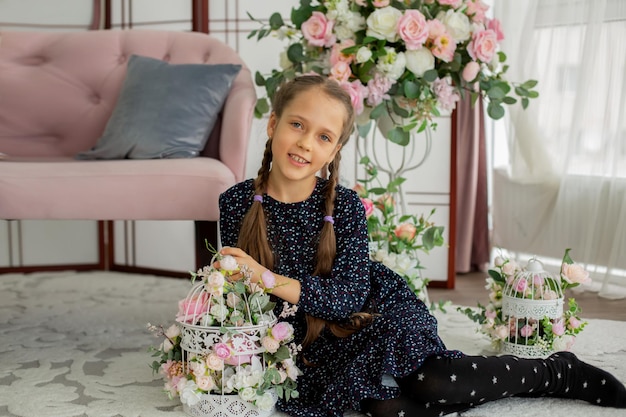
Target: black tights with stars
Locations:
point(442, 385)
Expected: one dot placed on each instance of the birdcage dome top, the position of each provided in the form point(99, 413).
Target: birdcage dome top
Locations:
point(533, 283)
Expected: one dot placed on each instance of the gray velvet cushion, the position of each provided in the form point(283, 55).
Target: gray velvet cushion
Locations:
point(164, 110)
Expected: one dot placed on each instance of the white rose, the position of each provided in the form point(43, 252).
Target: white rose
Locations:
point(354, 21)
point(457, 24)
point(197, 368)
point(190, 394)
point(403, 263)
point(501, 332)
point(205, 383)
point(166, 346)
point(265, 402)
point(247, 394)
point(390, 260)
point(383, 23)
point(419, 61)
point(392, 64)
point(172, 331)
point(214, 362)
point(228, 263)
point(363, 54)
point(563, 343)
point(343, 32)
point(284, 61)
point(219, 311)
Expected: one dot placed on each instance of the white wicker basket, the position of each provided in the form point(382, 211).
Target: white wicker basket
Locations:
point(216, 405)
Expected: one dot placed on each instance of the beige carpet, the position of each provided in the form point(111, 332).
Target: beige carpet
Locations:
point(75, 345)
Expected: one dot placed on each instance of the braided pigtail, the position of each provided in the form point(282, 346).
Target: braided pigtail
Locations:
point(253, 233)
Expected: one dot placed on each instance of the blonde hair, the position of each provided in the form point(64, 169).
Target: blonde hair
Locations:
point(253, 232)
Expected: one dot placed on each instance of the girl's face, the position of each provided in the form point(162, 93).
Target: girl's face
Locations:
point(305, 138)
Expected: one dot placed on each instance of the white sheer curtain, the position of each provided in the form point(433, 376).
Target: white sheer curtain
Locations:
point(564, 181)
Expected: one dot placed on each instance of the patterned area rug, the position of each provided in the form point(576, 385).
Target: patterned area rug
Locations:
point(75, 345)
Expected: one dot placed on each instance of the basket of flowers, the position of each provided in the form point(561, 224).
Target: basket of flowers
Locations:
point(525, 315)
point(227, 354)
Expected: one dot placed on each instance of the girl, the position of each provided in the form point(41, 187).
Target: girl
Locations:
point(369, 344)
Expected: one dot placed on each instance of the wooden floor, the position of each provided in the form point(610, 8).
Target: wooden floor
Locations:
point(470, 290)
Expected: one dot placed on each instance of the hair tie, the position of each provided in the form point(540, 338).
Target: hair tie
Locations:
point(329, 219)
point(258, 197)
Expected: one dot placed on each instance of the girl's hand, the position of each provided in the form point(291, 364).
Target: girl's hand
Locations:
point(242, 259)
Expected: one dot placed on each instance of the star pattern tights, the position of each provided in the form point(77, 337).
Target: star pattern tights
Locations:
point(444, 385)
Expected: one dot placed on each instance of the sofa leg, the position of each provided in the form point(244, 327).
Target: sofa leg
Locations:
point(206, 234)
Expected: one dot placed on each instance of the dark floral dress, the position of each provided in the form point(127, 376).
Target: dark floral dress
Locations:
point(349, 369)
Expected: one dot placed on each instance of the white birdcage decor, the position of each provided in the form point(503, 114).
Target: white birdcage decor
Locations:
point(219, 318)
point(531, 302)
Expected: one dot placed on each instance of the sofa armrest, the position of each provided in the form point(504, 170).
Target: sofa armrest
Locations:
point(236, 123)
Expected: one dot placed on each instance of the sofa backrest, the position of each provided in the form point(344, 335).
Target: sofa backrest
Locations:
point(58, 90)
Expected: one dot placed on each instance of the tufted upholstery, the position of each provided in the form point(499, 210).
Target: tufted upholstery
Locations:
point(57, 92)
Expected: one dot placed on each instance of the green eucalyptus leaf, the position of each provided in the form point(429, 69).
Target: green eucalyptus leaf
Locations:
point(399, 136)
point(430, 75)
point(276, 21)
point(495, 110)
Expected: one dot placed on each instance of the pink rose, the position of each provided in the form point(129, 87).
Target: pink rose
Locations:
point(385, 203)
point(509, 268)
point(214, 362)
point(270, 344)
point(238, 359)
point(558, 328)
point(205, 383)
point(369, 206)
point(483, 45)
point(222, 350)
point(453, 3)
point(573, 323)
point(360, 190)
point(341, 71)
point(494, 24)
point(413, 29)
point(526, 331)
point(282, 331)
point(575, 274)
point(521, 286)
point(318, 30)
point(191, 309)
point(405, 231)
point(269, 279)
point(336, 55)
point(471, 71)
point(490, 314)
point(476, 10)
point(358, 93)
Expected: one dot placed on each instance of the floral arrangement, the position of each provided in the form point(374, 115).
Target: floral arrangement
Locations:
point(244, 349)
point(406, 60)
point(395, 239)
point(556, 334)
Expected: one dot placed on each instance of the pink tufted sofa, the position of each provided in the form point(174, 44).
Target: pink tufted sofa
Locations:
point(57, 92)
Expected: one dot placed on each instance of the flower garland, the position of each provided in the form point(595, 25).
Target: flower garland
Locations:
point(406, 60)
point(236, 360)
point(548, 334)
